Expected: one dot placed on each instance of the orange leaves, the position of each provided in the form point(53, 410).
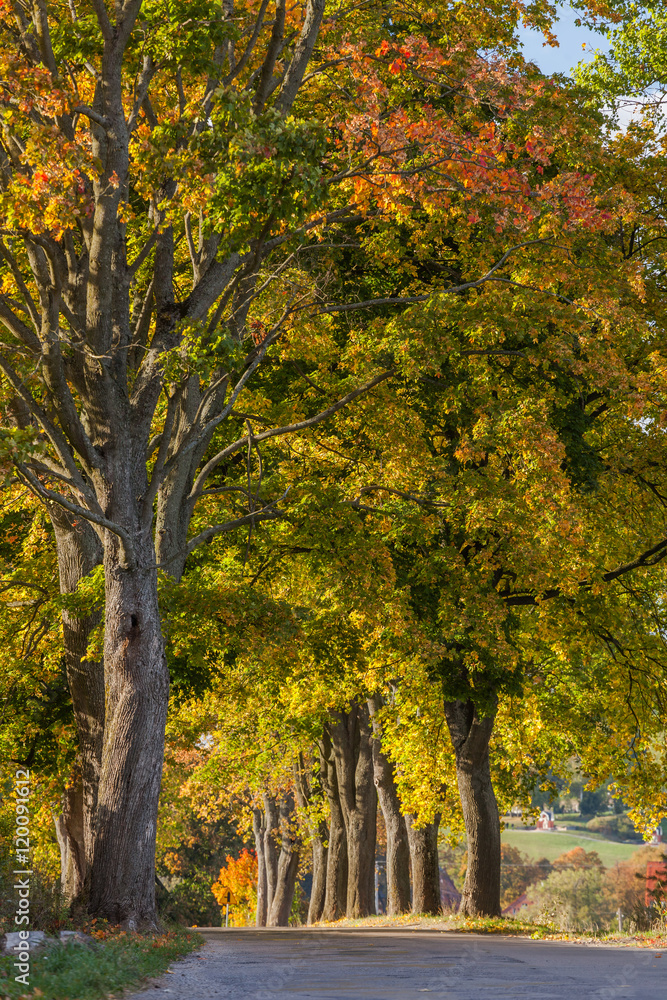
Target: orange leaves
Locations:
point(48, 201)
point(49, 189)
point(238, 877)
point(397, 66)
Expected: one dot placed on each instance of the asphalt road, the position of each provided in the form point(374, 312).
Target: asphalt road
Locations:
point(406, 965)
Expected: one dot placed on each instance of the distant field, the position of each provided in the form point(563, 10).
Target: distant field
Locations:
point(539, 844)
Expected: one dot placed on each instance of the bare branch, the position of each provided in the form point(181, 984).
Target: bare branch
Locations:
point(102, 19)
point(143, 253)
point(268, 513)
point(194, 255)
point(94, 116)
point(41, 22)
point(158, 473)
point(453, 289)
point(141, 90)
point(651, 557)
point(17, 327)
point(56, 437)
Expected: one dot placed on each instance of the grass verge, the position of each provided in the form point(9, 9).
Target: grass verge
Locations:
point(90, 972)
point(501, 925)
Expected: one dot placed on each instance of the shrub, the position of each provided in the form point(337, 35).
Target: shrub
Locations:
point(618, 827)
point(571, 899)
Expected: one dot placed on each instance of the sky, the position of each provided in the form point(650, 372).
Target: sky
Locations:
point(571, 39)
point(576, 45)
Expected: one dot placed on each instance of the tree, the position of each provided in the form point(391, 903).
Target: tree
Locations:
point(157, 180)
point(398, 844)
point(239, 876)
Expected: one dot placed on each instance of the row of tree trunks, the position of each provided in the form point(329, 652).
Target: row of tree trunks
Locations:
point(352, 768)
point(277, 845)
point(353, 774)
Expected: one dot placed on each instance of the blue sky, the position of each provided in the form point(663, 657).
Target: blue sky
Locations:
point(571, 39)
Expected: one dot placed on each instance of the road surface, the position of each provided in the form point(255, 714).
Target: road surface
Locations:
point(245, 964)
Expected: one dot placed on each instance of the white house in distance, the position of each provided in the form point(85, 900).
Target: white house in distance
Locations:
point(546, 820)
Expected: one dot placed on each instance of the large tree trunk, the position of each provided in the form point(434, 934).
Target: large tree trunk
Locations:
point(288, 864)
point(79, 552)
point(470, 735)
point(309, 793)
point(351, 740)
point(425, 867)
point(398, 850)
point(137, 693)
point(259, 829)
point(335, 894)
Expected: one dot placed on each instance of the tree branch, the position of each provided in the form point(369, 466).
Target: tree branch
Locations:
point(454, 289)
point(287, 429)
point(243, 61)
point(302, 53)
point(50, 496)
point(651, 557)
point(267, 513)
point(102, 19)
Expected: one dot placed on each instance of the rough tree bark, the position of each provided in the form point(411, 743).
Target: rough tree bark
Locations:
point(69, 831)
point(122, 884)
point(425, 867)
point(470, 734)
point(319, 886)
point(287, 865)
point(308, 793)
point(259, 830)
point(351, 741)
point(271, 826)
point(335, 895)
point(79, 552)
point(398, 849)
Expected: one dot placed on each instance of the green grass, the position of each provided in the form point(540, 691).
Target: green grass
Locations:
point(80, 972)
point(546, 844)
